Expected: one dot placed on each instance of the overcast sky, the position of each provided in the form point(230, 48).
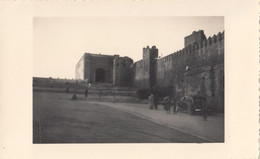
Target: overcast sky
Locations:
point(59, 43)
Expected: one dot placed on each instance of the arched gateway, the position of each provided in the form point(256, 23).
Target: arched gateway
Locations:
point(100, 75)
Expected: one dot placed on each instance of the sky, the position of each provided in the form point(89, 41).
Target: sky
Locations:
point(59, 43)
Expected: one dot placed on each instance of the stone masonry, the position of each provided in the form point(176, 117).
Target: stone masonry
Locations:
point(195, 70)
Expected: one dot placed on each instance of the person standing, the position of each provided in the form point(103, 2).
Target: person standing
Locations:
point(168, 105)
point(74, 97)
point(174, 107)
point(156, 101)
point(151, 100)
point(86, 93)
point(67, 90)
point(114, 96)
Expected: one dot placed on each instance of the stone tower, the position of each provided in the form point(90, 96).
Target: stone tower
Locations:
point(149, 60)
point(195, 37)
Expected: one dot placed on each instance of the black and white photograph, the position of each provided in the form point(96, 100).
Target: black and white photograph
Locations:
point(131, 79)
point(128, 80)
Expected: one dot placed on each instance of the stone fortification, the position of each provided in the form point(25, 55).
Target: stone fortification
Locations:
point(195, 70)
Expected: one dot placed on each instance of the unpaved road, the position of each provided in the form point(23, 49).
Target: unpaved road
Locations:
point(57, 119)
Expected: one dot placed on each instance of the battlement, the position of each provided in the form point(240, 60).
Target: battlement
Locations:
point(148, 48)
point(195, 37)
point(150, 53)
point(123, 61)
point(195, 47)
point(196, 69)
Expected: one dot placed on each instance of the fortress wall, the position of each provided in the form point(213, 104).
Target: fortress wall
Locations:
point(160, 73)
point(116, 71)
point(139, 79)
point(219, 91)
point(141, 74)
point(80, 68)
point(197, 69)
point(126, 72)
point(165, 71)
point(96, 61)
point(122, 71)
point(87, 74)
point(145, 70)
point(209, 52)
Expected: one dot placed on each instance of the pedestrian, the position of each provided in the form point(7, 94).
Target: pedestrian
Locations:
point(74, 97)
point(168, 105)
point(114, 96)
point(174, 107)
point(86, 93)
point(156, 101)
point(177, 107)
point(165, 103)
point(151, 101)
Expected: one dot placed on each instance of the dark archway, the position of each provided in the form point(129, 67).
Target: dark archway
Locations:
point(100, 75)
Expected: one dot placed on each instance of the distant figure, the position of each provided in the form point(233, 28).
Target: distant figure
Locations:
point(167, 104)
point(86, 93)
point(151, 101)
point(74, 97)
point(89, 85)
point(174, 104)
point(156, 101)
point(177, 107)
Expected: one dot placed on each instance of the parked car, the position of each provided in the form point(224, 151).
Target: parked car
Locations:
point(191, 104)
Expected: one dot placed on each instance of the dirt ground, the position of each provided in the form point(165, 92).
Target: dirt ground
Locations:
point(58, 119)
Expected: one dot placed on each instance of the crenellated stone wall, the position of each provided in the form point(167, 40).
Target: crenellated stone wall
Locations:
point(145, 70)
point(122, 71)
point(195, 70)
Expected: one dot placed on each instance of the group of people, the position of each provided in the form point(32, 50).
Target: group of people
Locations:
point(75, 97)
point(169, 103)
point(100, 94)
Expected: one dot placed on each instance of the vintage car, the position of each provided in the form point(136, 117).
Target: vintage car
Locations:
point(191, 104)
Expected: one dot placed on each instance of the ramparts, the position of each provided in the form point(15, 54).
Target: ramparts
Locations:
point(172, 67)
point(195, 70)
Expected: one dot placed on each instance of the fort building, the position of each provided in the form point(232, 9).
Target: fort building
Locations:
point(195, 70)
